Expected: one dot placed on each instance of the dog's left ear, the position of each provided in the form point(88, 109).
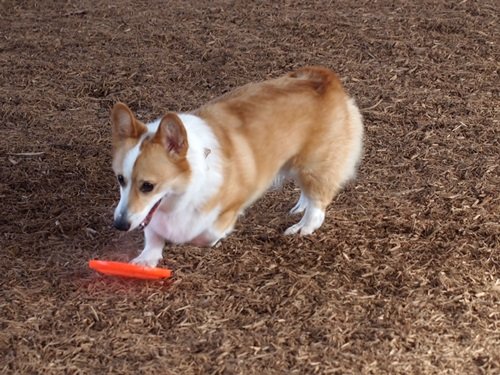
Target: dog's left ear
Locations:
point(171, 134)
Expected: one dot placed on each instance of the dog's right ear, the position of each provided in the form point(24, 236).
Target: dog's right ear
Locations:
point(124, 124)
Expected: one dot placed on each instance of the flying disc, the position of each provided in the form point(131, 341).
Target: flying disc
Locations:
point(129, 270)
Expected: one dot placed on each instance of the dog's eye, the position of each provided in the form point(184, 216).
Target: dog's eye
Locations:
point(146, 187)
point(121, 180)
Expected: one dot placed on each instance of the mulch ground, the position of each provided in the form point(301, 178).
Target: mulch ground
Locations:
point(403, 277)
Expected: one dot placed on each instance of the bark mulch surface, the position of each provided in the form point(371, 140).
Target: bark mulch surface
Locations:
point(403, 277)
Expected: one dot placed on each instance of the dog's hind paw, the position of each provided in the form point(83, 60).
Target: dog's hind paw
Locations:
point(312, 220)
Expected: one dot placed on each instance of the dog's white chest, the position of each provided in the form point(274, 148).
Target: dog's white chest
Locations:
point(181, 227)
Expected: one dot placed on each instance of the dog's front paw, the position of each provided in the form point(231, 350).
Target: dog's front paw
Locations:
point(146, 260)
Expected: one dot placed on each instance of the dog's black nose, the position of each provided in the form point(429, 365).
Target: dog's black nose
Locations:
point(121, 224)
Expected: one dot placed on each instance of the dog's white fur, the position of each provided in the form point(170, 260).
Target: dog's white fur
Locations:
point(182, 222)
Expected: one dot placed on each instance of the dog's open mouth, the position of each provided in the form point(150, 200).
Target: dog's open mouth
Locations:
point(149, 216)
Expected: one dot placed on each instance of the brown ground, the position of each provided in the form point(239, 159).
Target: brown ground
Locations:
point(404, 276)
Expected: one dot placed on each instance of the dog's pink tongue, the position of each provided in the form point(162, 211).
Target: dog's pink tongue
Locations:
point(150, 215)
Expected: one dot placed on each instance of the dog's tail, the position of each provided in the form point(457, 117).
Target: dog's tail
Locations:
point(319, 78)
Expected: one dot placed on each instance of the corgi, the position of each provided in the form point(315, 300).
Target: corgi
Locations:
point(185, 178)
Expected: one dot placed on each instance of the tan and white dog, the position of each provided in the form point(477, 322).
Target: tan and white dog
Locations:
point(186, 177)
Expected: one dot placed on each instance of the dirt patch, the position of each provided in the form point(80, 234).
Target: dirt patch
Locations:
point(403, 278)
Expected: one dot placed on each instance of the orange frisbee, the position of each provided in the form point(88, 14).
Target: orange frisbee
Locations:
point(129, 270)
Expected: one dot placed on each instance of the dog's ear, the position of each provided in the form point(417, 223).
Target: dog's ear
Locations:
point(171, 134)
point(124, 123)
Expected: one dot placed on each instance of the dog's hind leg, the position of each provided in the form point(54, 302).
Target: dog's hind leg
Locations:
point(301, 204)
point(319, 184)
point(321, 170)
point(314, 213)
point(313, 217)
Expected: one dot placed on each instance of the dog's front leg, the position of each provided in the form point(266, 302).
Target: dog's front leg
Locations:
point(153, 249)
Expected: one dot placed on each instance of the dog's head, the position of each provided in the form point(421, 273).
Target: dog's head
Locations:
point(149, 163)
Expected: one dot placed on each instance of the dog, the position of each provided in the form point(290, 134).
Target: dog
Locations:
point(185, 178)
